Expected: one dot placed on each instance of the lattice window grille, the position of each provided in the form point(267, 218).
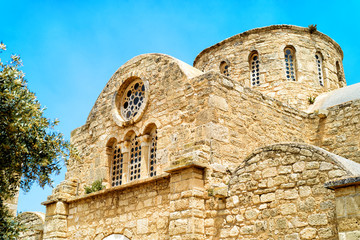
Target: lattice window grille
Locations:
point(319, 68)
point(135, 159)
point(133, 98)
point(152, 158)
point(117, 167)
point(290, 64)
point(255, 70)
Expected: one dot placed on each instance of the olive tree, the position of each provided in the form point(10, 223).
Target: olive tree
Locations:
point(30, 148)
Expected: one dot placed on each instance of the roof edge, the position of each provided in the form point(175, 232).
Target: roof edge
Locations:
point(267, 28)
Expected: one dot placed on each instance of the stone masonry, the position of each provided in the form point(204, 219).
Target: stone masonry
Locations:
point(232, 148)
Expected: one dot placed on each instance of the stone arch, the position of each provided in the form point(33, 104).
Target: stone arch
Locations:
point(224, 67)
point(254, 68)
point(340, 74)
point(290, 63)
point(279, 190)
point(34, 223)
point(111, 144)
point(129, 134)
point(149, 128)
point(152, 166)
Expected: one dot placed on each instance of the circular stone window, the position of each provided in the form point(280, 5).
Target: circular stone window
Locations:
point(130, 101)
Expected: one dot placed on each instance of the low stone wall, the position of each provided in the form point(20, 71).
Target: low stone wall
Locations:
point(138, 211)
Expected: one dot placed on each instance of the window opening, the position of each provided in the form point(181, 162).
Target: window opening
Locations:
point(319, 68)
point(117, 166)
point(255, 70)
point(338, 72)
point(135, 159)
point(290, 64)
point(152, 158)
point(224, 68)
point(133, 98)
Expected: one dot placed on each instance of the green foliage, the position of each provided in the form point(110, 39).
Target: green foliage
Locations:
point(95, 186)
point(312, 28)
point(30, 149)
point(311, 99)
point(9, 226)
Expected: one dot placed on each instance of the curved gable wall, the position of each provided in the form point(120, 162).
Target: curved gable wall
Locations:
point(168, 81)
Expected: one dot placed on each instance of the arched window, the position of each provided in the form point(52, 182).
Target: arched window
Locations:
point(338, 71)
point(319, 65)
point(152, 157)
point(135, 159)
point(224, 68)
point(254, 69)
point(290, 63)
point(117, 166)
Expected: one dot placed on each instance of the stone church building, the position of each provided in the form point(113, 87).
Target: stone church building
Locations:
point(259, 139)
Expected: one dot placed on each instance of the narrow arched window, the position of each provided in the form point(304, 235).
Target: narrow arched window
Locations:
point(255, 69)
point(224, 68)
point(117, 166)
point(290, 63)
point(152, 157)
point(319, 66)
point(135, 159)
point(338, 71)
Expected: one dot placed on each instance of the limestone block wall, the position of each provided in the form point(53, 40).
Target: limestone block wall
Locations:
point(138, 211)
point(236, 120)
point(34, 225)
point(339, 130)
point(278, 193)
point(347, 193)
point(206, 118)
point(269, 43)
point(168, 108)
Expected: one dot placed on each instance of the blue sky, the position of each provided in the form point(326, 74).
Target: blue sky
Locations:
point(70, 49)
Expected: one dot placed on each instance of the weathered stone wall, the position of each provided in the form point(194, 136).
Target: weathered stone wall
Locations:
point(168, 103)
point(139, 211)
point(206, 125)
point(347, 193)
point(207, 118)
point(270, 42)
point(34, 225)
point(234, 120)
point(278, 193)
point(338, 131)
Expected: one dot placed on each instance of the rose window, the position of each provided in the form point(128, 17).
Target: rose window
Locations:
point(133, 98)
